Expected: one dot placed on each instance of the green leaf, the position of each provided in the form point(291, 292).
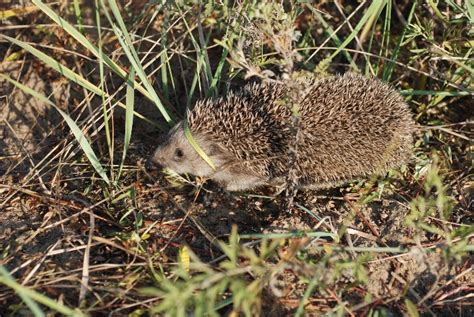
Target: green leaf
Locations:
point(411, 308)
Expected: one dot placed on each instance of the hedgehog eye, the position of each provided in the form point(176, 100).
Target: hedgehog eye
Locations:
point(178, 153)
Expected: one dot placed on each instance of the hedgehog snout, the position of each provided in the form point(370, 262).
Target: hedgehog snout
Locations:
point(150, 164)
point(154, 162)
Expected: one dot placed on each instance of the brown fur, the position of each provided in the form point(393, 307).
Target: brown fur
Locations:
point(351, 127)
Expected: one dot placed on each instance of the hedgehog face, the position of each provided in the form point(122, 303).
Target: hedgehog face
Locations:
point(177, 154)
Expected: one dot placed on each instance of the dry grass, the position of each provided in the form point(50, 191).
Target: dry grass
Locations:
point(84, 229)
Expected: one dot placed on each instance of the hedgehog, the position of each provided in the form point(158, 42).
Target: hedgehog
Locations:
point(350, 127)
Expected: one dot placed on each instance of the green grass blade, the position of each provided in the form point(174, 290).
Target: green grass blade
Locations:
point(77, 12)
point(434, 7)
point(164, 72)
point(330, 31)
point(29, 295)
point(203, 54)
point(470, 10)
point(68, 73)
point(108, 134)
point(414, 92)
point(373, 9)
point(385, 44)
point(288, 235)
point(66, 26)
point(196, 146)
point(164, 55)
point(213, 89)
point(76, 131)
point(202, 58)
point(390, 65)
point(5, 278)
point(193, 86)
point(127, 46)
point(118, 17)
point(98, 53)
point(370, 28)
point(129, 102)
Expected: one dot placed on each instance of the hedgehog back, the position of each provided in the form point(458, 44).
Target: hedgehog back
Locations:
point(350, 126)
point(353, 126)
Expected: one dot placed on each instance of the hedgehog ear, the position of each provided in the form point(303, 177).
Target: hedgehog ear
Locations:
point(214, 149)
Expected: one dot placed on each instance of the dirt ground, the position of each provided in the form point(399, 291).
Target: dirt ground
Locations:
point(50, 200)
point(43, 234)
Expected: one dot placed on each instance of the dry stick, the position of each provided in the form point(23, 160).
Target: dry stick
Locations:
point(362, 217)
point(351, 245)
point(117, 246)
point(456, 278)
point(399, 13)
point(359, 42)
point(86, 260)
point(411, 291)
point(50, 253)
point(188, 213)
point(457, 299)
point(434, 290)
point(362, 234)
point(202, 43)
point(141, 304)
point(339, 301)
point(57, 178)
point(54, 277)
point(461, 136)
point(454, 291)
point(39, 263)
point(107, 266)
point(62, 202)
point(335, 31)
point(375, 302)
point(459, 289)
point(87, 94)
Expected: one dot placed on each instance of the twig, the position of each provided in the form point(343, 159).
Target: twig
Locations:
point(362, 217)
point(86, 259)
